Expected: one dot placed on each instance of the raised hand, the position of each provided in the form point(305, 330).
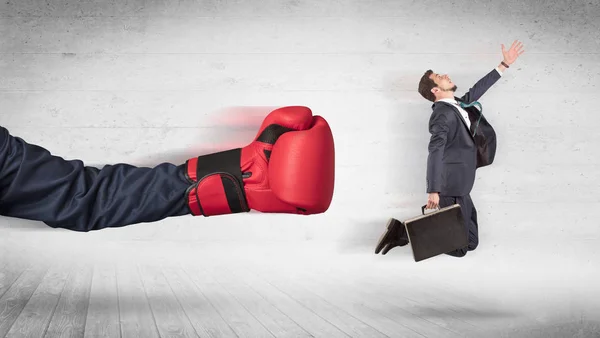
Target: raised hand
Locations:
point(513, 52)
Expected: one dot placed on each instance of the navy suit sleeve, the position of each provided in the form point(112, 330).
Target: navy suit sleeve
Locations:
point(481, 87)
point(37, 185)
point(438, 127)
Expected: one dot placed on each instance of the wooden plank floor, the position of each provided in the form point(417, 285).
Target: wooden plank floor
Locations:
point(287, 296)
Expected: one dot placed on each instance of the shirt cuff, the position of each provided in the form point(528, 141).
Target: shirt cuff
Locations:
point(498, 70)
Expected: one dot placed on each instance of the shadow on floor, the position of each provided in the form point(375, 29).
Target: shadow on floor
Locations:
point(464, 313)
point(571, 329)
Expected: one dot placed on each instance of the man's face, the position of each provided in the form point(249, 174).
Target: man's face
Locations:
point(443, 82)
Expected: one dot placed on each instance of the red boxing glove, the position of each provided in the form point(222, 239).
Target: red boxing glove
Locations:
point(288, 168)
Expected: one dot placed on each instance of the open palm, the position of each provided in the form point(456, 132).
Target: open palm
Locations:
point(513, 52)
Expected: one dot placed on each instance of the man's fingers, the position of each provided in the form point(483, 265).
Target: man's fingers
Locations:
point(431, 204)
point(519, 46)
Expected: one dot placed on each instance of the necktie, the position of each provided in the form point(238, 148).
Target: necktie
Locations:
point(474, 103)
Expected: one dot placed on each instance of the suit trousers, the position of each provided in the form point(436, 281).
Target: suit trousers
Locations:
point(37, 185)
point(469, 213)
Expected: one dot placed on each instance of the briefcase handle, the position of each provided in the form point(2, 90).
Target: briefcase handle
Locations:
point(425, 206)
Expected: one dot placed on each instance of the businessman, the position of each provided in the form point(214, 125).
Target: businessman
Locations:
point(461, 141)
point(287, 168)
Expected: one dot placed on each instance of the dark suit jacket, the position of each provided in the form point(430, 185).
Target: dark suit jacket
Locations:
point(454, 153)
point(36, 185)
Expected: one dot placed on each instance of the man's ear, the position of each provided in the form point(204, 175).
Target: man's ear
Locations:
point(435, 90)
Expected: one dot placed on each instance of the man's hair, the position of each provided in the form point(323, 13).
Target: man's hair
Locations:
point(425, 86)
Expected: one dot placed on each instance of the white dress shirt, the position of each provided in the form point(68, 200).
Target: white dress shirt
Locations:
point(460, 109)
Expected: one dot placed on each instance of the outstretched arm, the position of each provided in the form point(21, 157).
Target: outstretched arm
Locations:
point(485, 83)
point(37, 185)
point(481, 86)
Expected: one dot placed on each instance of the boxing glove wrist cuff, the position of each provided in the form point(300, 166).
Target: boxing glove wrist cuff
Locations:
point(217, 187)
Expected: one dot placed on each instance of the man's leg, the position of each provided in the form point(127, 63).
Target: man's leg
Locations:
point(473, 225)
point(470, 217)
point(466, 208)
point(36, 185)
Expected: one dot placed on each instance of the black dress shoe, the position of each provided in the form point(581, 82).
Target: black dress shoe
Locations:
point(395, 235)
point(392, 245)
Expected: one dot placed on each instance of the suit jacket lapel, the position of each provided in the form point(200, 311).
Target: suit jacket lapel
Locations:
point(459, 116)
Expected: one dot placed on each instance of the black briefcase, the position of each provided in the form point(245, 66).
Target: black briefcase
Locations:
point(429, 235)
point(437, 232)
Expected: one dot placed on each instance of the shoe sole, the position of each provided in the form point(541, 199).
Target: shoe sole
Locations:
point(391, 225)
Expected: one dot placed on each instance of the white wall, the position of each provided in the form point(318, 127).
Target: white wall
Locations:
point(158, 75)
